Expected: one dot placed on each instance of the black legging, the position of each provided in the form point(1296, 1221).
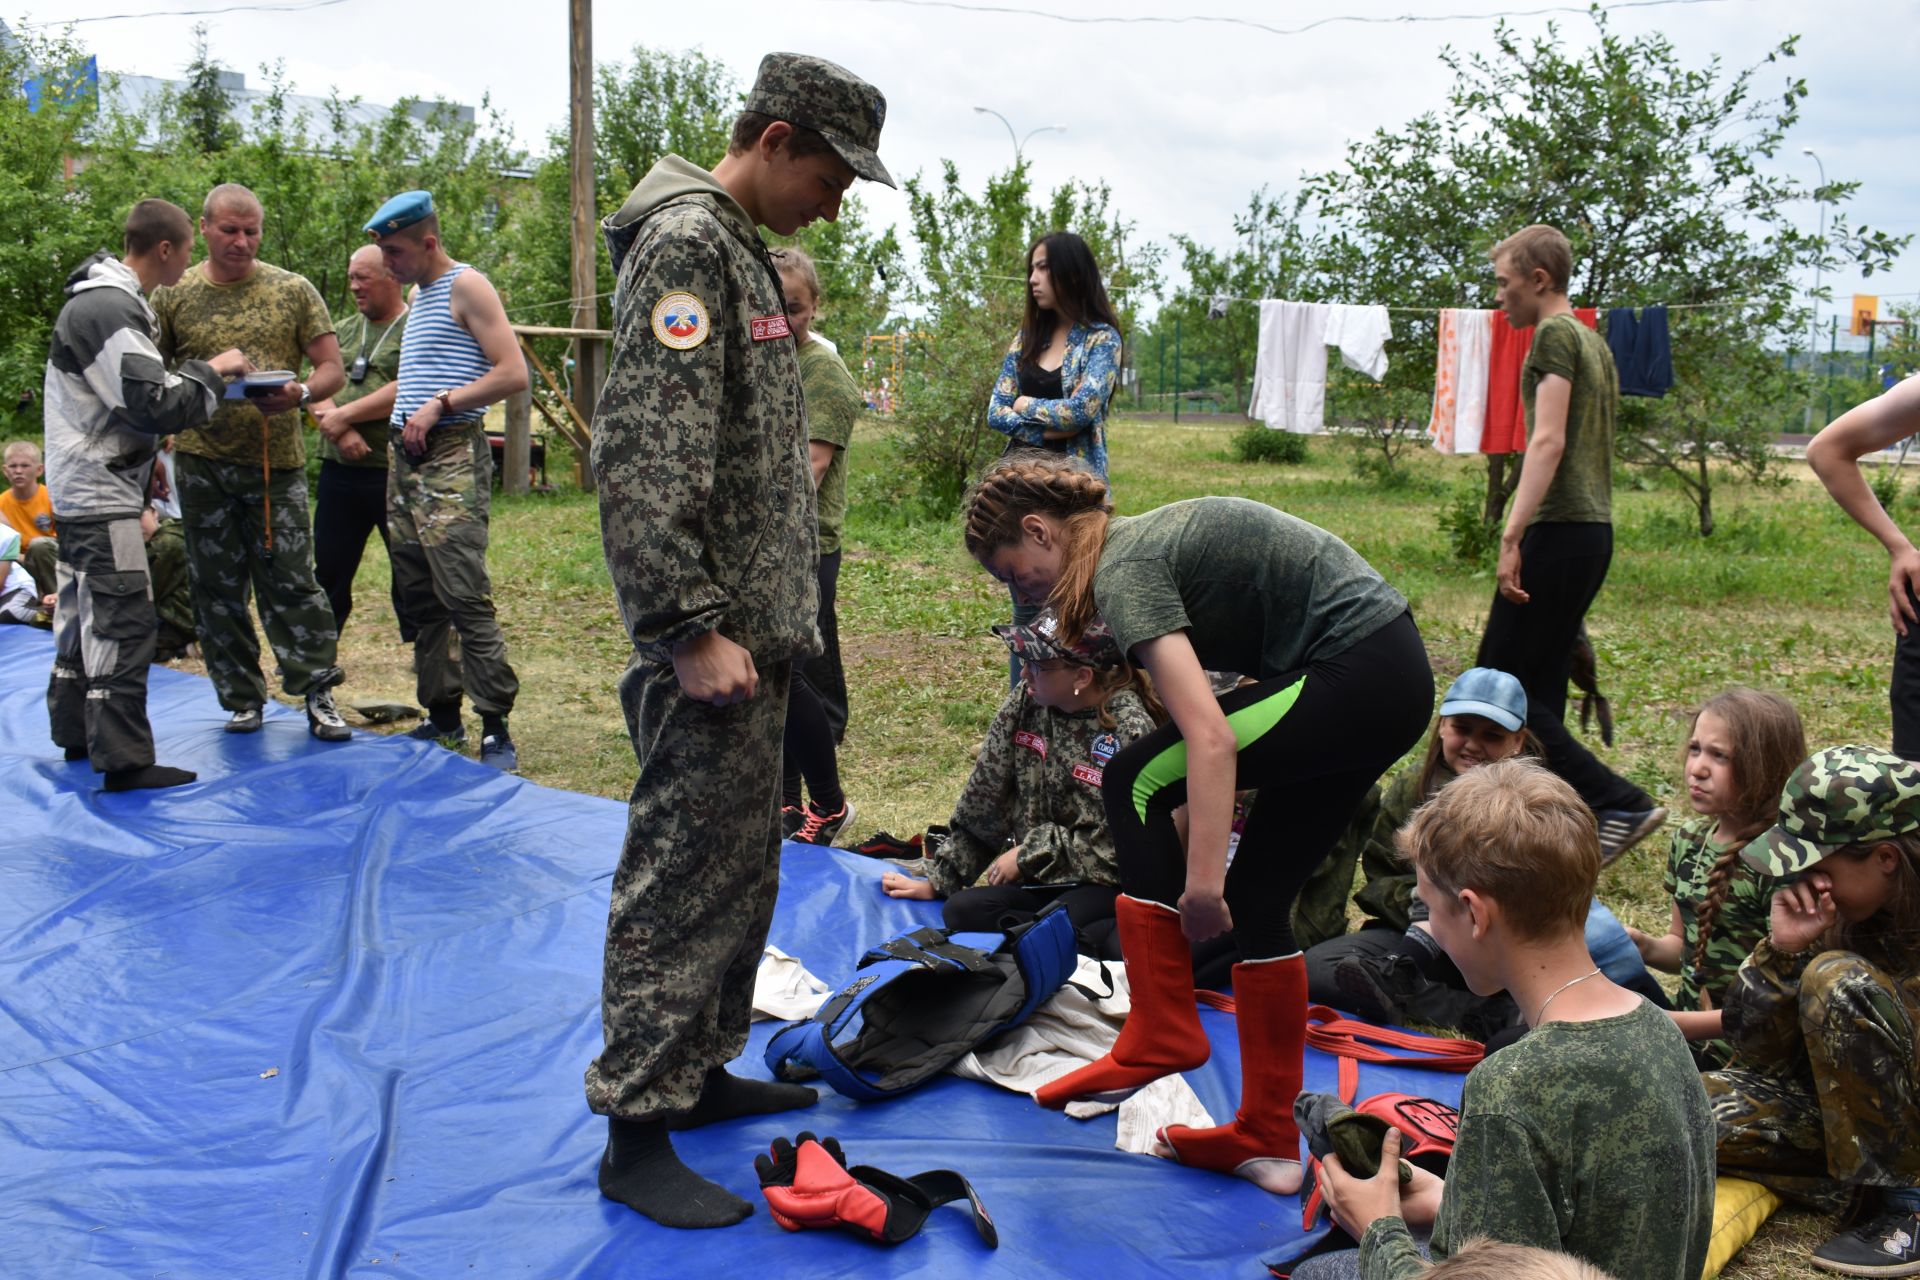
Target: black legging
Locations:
point(1311, 742)
point(350, 504)
point(814, 725)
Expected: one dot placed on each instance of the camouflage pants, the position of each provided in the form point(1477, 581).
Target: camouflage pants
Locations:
point(437, 542)
point(172, 590)
point(41, 559)
point(103, 625)
point(693, 895)
point(1843, 1117)
point(227, 554)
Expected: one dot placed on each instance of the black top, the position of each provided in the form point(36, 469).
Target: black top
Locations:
point(1041, 384)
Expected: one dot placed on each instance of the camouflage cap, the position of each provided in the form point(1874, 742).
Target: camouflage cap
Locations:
point(830, 100)
point(1038, 641)
point(1838, 797)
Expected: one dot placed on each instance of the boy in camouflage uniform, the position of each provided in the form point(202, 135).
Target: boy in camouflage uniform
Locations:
point(1826, 1100)
point(707, 513)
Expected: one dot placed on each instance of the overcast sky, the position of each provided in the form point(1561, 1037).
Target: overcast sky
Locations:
point(1183, 120)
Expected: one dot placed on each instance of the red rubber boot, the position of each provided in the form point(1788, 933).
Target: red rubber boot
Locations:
point(1162, 1033)
point(1262, 1144)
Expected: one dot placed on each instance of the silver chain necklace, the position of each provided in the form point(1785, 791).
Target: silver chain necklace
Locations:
point(1556, 995)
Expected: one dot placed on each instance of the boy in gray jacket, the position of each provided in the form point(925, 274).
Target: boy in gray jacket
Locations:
point(109, 399)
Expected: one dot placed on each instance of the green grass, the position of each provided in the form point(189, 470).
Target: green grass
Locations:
point(1787, 594)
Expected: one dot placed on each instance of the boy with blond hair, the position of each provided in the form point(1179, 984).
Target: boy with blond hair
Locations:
point(1591, 1134)
point(26, 508)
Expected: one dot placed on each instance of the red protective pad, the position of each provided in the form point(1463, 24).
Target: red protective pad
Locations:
point(1428, 1127)
point(823, 1194)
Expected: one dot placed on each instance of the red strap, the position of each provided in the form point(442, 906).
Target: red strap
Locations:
point(1354, 1041)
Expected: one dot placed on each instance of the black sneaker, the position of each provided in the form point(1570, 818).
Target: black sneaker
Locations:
point(1621, 829)
point(792, 818)
point(245, 720)
point(1376, 987)
point(496, 751)
point(1887, 1246)
point(822, 828)
point(323, 718)
point(428, 731)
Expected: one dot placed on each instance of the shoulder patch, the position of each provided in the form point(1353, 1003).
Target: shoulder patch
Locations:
point(1104, 747)
point(680, 321)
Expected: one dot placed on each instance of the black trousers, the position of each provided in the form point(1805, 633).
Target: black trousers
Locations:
point(1904, 692)
point(1312, 742)
point(824, 672)
point(811, 745)
point(1562, 567)
point(350, 505)
point(103, 633)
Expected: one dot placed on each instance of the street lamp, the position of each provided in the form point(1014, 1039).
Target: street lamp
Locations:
point(1814, 346)
point(1019, 143)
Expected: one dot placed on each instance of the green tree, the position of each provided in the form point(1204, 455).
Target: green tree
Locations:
point(1658, 172)
point(201, 111)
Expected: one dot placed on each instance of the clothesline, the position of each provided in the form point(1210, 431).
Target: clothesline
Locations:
point(1671, 306)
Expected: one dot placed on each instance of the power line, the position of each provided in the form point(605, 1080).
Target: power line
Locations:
point(1368, 19)
point(296, 6)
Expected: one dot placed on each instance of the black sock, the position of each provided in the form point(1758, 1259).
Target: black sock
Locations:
point(76, 753)
point(640, 1169)
point(494, 727)
point(446, 717)
point(147, 777)
point(724, 1097)
point(1418, 946)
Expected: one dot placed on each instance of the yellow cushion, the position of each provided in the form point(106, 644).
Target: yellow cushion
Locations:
point(1739, 1207)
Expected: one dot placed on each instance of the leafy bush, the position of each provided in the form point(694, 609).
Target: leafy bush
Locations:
point(1256, 443)
point(1463, 519)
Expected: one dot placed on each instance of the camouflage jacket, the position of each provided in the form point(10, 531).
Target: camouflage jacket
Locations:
point(1761, 1017)
point(1387, 895)
point(1742, 920)
point(1037, 783)
point(700, 435)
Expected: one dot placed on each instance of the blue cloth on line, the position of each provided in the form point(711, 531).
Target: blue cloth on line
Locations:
point(1642, 350)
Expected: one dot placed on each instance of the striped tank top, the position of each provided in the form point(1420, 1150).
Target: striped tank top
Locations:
point(436, 354)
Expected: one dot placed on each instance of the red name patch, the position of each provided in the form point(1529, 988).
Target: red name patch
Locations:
point(1031, 741)
point(766, 328)
point(1088, 774)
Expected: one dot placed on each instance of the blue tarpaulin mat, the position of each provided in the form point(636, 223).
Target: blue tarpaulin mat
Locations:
point(325, 1013)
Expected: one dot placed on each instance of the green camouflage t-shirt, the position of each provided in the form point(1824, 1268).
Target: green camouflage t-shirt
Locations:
point(380, 343)
point(1742, 922)
point(1258, 591)
point(271, 316)
point(1593, 1138)
point(833, 403)
point(1582, 487)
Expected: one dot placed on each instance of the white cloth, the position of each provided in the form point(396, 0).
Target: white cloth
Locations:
point(1290, 367)
point(168, 506)
point(1361, 333)
point(783, 989)
point(1068, 1032)
point(1460, 380)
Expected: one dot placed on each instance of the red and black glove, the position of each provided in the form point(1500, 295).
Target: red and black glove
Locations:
point(808, 1185)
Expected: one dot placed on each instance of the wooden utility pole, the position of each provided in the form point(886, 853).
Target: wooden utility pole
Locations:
point(588, 355)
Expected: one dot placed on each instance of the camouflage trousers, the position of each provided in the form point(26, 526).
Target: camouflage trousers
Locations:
point(1846, 1114)
point(222, 506)
point(437, 543)
point(41, 560)
point(103, 627)
point(172, 590)
point(693, 895)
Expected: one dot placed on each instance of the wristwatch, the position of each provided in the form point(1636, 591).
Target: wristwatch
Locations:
point(446, 403)
point(306, 395)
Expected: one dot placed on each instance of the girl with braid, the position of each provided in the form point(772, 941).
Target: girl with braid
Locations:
point(1340, 690)
point(1740, 751)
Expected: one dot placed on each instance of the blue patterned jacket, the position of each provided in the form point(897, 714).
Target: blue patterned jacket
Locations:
point(1092, 364)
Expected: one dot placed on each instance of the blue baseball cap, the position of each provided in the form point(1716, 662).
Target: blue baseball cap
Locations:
point(401, 212)
point(1482, 691)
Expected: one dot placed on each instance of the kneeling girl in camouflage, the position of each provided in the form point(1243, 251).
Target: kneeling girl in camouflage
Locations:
point(1030, 815)
point(1825, 1103)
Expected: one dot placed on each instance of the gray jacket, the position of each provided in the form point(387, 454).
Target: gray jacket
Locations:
point(109, 397)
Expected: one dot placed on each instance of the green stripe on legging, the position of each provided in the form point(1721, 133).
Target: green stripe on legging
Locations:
point(1250, 723)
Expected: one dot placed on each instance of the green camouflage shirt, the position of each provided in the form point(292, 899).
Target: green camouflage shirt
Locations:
point(272, 316)
point(1742, 921)
point(1593, 1138)
point(381, 345)
point(700, 436)
point(1037, 783)
point(833, 402)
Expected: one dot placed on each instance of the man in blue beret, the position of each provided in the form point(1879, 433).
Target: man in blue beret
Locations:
point(457, 356)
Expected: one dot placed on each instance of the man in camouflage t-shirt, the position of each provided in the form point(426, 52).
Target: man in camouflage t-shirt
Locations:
point(243, 480)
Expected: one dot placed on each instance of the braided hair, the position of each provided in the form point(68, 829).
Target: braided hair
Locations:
point(1036, 482)
point(1766, 742)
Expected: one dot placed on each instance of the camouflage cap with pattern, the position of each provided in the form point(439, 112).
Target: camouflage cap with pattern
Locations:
point(828, 99)
point(1038, 641)
point(1838, 797)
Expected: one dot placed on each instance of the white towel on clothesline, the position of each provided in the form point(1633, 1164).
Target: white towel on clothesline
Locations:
point(1460, 380)
point(1361, 333)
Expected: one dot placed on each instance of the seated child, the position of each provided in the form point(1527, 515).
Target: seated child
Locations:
point(1392, 970)
point(20, 599)
point(1036, 787)
point(27, 509)
point(1826, 1101)
point(1591, 1134)
point(1740, 750)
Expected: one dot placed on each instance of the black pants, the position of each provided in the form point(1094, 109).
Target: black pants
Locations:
point(810, 750)
point(1904, 692)
point(824, 672)
point(350, 505)
point(1312, 742)
point(1562, 567)
point(1000, 906)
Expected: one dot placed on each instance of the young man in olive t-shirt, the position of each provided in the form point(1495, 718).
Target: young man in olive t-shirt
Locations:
point(1558, 540)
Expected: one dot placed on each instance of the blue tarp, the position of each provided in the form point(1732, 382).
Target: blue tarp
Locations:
point(325, 1013)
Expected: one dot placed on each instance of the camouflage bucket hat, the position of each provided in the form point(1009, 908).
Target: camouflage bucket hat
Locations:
point(1838, 797)
point(830, 100)
point(1038, 642)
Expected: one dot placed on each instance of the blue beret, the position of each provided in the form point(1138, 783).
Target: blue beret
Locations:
point(403, 210)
